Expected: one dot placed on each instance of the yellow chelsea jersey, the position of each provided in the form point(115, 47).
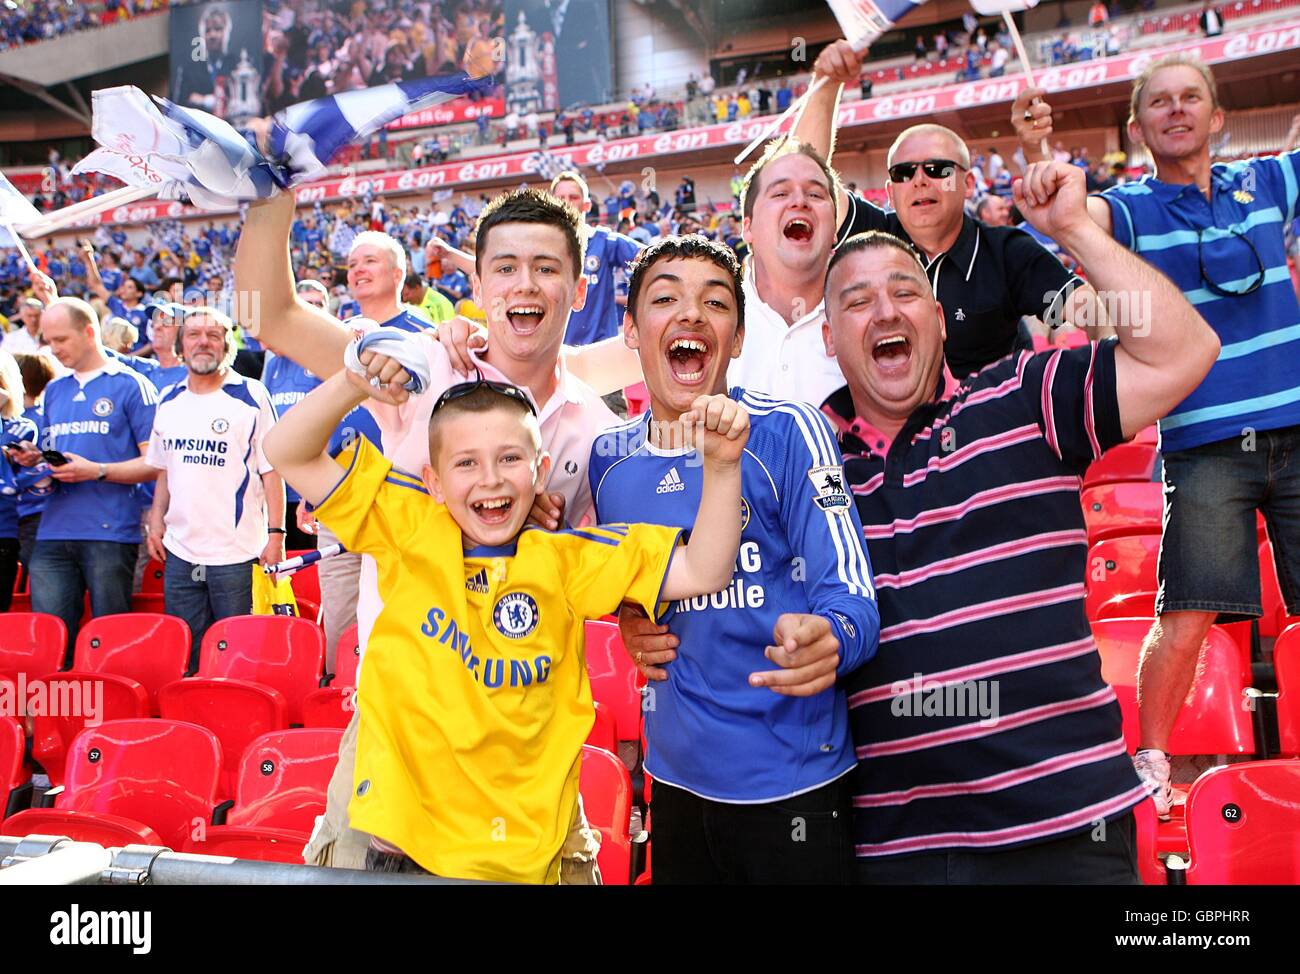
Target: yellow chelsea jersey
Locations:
point(474, 700)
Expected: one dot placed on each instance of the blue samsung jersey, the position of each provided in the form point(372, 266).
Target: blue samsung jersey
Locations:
point(801, 550)
point(1237, 236)
point(13, 478)
point(404, 319)
point(31, 499)
point(601, 317)
point(288, 383)
point(103, 420)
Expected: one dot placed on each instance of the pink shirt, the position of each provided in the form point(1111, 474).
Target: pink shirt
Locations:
point(569, 422)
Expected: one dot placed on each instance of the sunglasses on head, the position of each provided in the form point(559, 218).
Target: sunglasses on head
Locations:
point(902, 172)
point(463, 389)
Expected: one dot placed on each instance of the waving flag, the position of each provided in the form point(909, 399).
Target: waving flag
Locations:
point(15, 211)
point(186, 153)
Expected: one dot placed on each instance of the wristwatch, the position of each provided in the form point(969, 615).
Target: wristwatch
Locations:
point(103, 472)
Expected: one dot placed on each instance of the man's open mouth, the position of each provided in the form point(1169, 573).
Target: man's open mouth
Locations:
point(493, 510)
point(525, 318)
point(924, 201)
point(893, 351)
point(798, 230)
point(688, 359)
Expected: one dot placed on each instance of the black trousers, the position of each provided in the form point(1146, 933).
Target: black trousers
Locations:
point(805, 839)
point(1105, 855)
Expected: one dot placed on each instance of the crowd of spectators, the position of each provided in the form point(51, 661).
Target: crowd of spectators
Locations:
point(27, 21)
point(323, 47)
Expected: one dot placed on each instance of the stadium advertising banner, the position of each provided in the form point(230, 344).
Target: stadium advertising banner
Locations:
point(216, 58)
point(558, 53)
point(523, 165)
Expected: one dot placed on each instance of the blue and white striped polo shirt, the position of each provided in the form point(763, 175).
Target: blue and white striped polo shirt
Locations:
point(982, 722)
point(1254, 384)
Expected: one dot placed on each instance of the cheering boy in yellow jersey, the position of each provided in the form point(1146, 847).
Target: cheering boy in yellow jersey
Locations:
point(474, 701)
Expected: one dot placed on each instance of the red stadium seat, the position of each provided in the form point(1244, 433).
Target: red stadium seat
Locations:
point(31, 643)
point(638, 399)
point(102, 828)
point(1120, 566)
point(145, 602)
point(152, 773)
point(282, 652)
point(72, 694)
point(1213, 721)
point(1286, 661)
point(604, 732)
point(151, 648)
point(283, 780)
point(1148, 436)
point(615, 680)
point(1243, 824)
point(15, 781)
point(1127, 462)
point(331, 706)
point(607, 799)
point(153, 577)
point(236, 711)
point(1114, 510)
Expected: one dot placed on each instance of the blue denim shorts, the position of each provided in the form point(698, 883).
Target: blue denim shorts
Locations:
point(1209, 553)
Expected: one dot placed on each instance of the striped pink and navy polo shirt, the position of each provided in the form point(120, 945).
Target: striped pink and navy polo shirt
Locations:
point(983, 723)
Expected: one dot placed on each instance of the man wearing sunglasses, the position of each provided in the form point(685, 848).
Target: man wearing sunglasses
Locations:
point(986, 278)
point(1217, 230)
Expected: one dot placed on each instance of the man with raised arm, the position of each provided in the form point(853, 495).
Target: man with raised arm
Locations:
point(1218, 231)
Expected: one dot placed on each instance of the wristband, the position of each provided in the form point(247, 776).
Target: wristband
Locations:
point(275, 531)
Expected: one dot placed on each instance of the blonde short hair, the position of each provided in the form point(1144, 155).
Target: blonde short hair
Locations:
point(1179, 59)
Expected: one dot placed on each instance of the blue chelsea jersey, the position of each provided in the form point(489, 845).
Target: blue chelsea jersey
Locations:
point(31, 499)
point(14, 478)
point(801, 551)
point(606, 254)
point(102, 420)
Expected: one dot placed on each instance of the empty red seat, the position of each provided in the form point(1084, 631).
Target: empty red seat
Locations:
point(615, 680)
point(283, 780)
point(145, 602)
point(237, 711)
point(606, 790)
point(331, 706)
point(1286, 661)
point(1123, 463)
point(72, 700)
point(305, 581)
point(32, 643)
point(151, 648)
point(1121, 566)
point(283, 652)
point(604, 732)
point(1243, 824)
point(15, 781)
point(102, 828)
point(1115, 510)
point(153, 773)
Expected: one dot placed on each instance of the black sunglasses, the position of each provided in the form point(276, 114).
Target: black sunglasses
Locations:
point(463, 389)
point(1219, 289)
point(902, 172)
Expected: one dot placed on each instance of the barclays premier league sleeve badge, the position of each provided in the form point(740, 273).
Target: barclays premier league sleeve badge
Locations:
point(828, 483)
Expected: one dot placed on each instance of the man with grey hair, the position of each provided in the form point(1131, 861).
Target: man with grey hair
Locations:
point(986, 277)
point(26, 340)
point(97, 420)
point(376, 276)
point(218, 506)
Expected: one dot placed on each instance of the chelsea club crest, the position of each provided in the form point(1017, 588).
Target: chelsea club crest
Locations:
point(515, 615)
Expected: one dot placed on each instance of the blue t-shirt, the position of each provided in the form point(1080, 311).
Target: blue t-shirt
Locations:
point(1237, 236)
point(112, 278)
point(138, 316)
point(801, 550)
point(14, 478)
point(104, 421)
point(601, 317)
point(455, 285)
point(31, 499)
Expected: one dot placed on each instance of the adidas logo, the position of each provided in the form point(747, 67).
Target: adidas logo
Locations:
point(477, 582)
point(671, 483)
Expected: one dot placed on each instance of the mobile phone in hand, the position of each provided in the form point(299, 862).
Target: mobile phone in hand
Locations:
point(54, 458)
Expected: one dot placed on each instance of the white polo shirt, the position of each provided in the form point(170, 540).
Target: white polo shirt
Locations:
point(210, 446)
point(569, 422)
point(786, 361)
